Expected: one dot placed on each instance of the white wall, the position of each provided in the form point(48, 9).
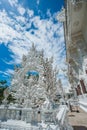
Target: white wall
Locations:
point(85, 26)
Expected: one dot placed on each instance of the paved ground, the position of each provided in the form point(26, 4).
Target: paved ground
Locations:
point(78, 120)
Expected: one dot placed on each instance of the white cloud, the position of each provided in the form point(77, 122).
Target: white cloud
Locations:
point(38, 1)
point(21, 10)
point(7, 33)
point(20, 19)
point(8, 72)
point(13, 2)
point(1, 72)
point(47, 35)
point(30, 13)
point(48, 13)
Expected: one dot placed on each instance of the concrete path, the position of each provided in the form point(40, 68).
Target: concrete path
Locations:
point(78, 120)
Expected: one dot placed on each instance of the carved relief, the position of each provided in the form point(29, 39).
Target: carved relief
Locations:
point(77, 7)
point(77, 38)
point(76, 23)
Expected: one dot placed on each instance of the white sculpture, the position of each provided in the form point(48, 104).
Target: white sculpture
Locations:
point(35, 81)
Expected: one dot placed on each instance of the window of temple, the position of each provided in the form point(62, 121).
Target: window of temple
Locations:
point(33, 74)
point(78, 90)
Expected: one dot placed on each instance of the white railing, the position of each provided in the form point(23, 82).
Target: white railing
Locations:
point(83, 102)
point(7, 126)
point(29, 119)
point(11, 127)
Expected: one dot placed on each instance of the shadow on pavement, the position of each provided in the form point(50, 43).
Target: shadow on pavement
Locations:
point(71, 115)
point(80, 127)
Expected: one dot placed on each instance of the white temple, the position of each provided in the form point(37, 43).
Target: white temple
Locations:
point(35, 81)
point(35, 89)
point(75, 32)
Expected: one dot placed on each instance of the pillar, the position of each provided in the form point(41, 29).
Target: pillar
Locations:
point(83, 86)
point(39, 116)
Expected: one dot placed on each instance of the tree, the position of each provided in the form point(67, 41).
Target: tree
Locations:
point(3, 86)
point(3, 83)
point(10, 99)
point(3, 89)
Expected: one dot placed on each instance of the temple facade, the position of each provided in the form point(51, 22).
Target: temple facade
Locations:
point(74, 19)
point(75, 30)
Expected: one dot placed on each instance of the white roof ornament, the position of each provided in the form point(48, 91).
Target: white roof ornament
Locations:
point(61, 15)
point(78, 1)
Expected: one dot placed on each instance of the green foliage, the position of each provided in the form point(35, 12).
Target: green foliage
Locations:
point(3, 82)
point(10, 99)
point(3, 86)
point(1, 94)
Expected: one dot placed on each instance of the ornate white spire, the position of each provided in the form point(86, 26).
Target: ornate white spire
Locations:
point(61, 15)
point(36, 80)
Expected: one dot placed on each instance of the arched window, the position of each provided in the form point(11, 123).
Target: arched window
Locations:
point(33, 73)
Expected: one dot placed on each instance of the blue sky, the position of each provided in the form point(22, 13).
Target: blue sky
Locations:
point(25, 21)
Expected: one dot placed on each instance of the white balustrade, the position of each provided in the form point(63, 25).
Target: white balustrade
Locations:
point(83, 102)
point(33, 118)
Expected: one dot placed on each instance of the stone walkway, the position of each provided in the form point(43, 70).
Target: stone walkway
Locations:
point(78, 120)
